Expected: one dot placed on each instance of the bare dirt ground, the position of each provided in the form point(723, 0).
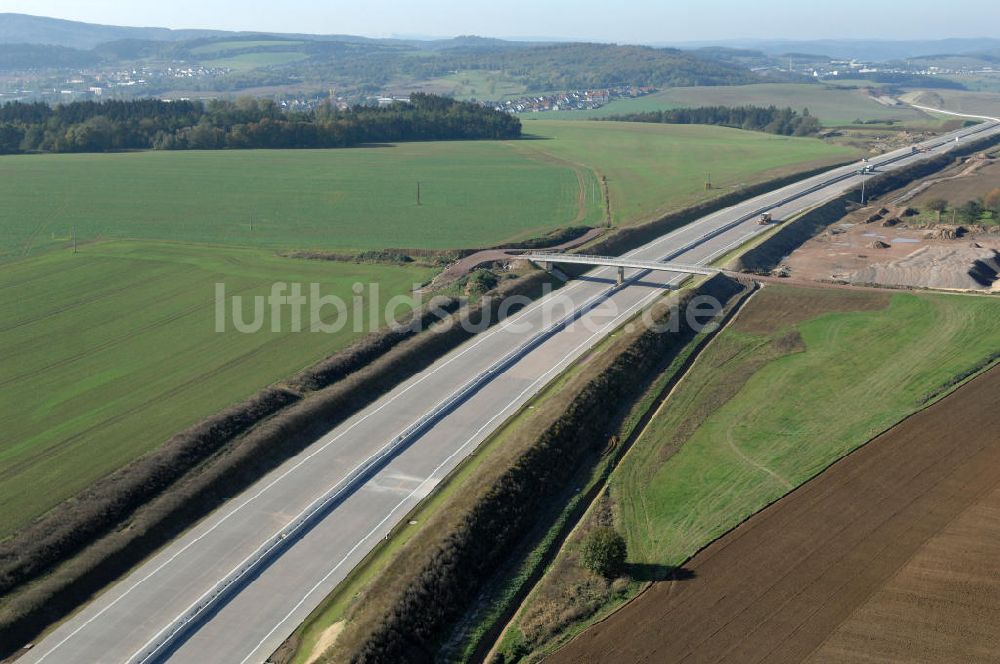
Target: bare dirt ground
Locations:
point(326, 639)
point(901, 251)
point(889, 555)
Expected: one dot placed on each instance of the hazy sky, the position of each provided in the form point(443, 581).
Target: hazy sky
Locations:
point(609, 20)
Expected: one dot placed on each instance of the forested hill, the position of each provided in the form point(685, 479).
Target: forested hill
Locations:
point(27, 29)
point(574, 66)
point(355, 66)
point(247, 123)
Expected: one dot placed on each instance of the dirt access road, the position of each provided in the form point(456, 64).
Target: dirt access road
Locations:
point(889, 555)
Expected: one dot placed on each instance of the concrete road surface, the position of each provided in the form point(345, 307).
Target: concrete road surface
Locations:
point(121, 622)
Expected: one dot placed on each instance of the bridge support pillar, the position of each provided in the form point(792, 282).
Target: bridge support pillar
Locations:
point(621, 275)
point(547, 266)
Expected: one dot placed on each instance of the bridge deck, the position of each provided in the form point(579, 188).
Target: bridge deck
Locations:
point(615, 261)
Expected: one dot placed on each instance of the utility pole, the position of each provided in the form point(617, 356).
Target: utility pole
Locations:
point(74, 239)
point(863, 178)
point(251, 223)
point(418, 193)
point(708, 181)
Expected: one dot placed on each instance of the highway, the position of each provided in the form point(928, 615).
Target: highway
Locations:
point(234, 586)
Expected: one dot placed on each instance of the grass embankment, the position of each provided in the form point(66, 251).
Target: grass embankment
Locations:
point(108, 352)
point(655, 169)
point(833, 105)
point(801, 377)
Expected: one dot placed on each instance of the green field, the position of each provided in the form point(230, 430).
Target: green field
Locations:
point(653, 169)
point(831, 105)
point(248, 61)
point(779, 396)
point(237, 45)
point(472, 194)
point(466, 84)
point(108, 352)
point(986, 82)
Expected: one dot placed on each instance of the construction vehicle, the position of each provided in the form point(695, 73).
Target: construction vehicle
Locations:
point(764, 219)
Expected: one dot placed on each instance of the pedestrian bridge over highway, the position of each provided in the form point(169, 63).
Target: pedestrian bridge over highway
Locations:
point(547, 260)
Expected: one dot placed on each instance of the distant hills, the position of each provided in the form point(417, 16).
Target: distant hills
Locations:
point(217, 62)
point(25, 29)
point(873, 50)
point(355, 66)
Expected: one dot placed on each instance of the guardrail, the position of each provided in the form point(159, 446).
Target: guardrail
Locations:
point(171, 635)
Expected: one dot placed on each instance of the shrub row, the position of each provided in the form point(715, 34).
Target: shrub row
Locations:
point(222, 456)
point(437, 594)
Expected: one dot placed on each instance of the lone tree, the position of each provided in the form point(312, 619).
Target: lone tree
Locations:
point(604, 552)
point(938, 205)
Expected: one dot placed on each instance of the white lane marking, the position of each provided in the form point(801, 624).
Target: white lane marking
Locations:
point(567, 359)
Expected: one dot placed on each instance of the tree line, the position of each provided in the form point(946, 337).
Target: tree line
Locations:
point(770, 119)
point(245, 123)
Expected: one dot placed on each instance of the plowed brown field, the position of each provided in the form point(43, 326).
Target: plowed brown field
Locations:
point(892, 554)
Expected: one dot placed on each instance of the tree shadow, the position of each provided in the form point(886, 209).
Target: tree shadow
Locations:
point(656, 572)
